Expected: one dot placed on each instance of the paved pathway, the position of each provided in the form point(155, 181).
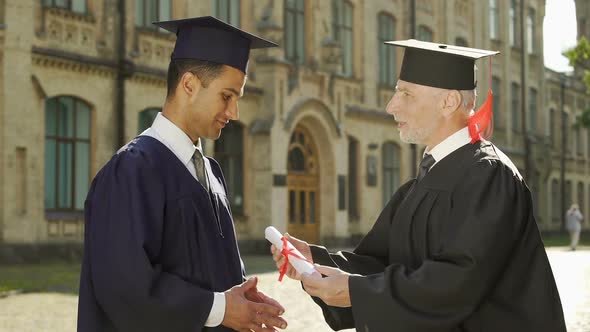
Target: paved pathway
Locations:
point(57, 312)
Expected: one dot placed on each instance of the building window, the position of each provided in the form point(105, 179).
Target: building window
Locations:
point(146, 118)
point(229, 153)
point(67, 153)
point(513, 27)
point(387, 75)
point(530, 31)
point(568, 194)
point(460, 41)
point(579, 139)
point(148, 11)
point(588, 144)
point(353, 155)
point(565, 120)
point(342, 28)
point(532, 120)
point(227, 11)
point(77, 6)
point(555, 202)
point(425, 34)
point(515, 109)
point(497, 89)
point(295, 31)
point(552, 125)
point(494, 20)
point(391, 170)
point(581, 199)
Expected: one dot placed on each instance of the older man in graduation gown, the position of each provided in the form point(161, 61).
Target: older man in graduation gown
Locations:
point(160, 247)
point(457, 248)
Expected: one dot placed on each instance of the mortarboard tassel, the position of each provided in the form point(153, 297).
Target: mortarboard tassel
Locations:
point(482, 121)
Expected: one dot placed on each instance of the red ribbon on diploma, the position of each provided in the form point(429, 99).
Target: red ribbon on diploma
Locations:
point(286, 252)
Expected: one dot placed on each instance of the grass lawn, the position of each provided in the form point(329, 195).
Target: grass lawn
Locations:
point(64, 277)
point(563, 240)
point(46, 277)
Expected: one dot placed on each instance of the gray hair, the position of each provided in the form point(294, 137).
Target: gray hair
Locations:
point(468, 99)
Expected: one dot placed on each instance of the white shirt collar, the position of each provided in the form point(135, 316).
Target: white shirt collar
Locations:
point(175, 139)
point(450, 144)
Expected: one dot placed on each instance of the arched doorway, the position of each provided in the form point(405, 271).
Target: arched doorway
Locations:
point(303, 186)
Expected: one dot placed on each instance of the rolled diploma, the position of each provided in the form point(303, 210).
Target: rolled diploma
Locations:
point(272, 235)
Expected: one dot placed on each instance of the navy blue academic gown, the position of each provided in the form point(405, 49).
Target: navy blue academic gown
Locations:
point(157, 244)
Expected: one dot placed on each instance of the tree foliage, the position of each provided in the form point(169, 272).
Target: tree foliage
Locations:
point(579, 57)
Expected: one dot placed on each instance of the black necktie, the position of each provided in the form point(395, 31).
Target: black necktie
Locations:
point(425, 165)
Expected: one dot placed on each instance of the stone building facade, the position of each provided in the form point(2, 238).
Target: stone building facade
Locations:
point(313, 153)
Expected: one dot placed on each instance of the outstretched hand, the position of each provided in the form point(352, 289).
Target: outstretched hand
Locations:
point(279, 259)
point(332, 289)
point(248, 309)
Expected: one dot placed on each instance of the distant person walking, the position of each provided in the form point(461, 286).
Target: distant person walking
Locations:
point(574, 219)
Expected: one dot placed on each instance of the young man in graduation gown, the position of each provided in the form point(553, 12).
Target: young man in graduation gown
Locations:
point(457, 248)
point(160, 247)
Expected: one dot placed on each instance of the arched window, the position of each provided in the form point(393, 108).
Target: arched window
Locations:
point(227, 11)
point(229, 152)
point(295, 31)
point(67, 153)
point(386, 27)
point(391, 169)
point(146, 118)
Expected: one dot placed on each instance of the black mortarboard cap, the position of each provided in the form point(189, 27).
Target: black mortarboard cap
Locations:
point(439, 65)
point(209, 39)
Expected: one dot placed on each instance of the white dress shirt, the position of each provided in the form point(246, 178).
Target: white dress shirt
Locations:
point(182, 146)
point(449, 145)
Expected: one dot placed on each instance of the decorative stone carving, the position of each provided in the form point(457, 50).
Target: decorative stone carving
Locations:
point(55, 30)
point(331, 55)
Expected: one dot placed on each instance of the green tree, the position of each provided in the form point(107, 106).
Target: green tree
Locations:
point(579, 57)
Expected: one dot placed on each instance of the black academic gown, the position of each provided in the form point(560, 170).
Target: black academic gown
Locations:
point(458, 251)
point(156, 245)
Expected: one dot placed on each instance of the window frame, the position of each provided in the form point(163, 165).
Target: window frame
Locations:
point(395, 169)
point(494, 19)
point(298, 14)
point(146, 22)
point(221, 155)
point(338, 28)
point(69, 5)
point(531, 31)
point(387, 55)
point(72, 141)
point(228, 17)
point(515, 107)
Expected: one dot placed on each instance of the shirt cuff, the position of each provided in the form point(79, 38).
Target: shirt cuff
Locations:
point(217, 310)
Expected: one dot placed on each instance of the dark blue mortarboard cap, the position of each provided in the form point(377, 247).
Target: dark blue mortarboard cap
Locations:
point(209, 39)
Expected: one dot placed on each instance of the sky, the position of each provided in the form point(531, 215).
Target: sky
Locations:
point(559, 33)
